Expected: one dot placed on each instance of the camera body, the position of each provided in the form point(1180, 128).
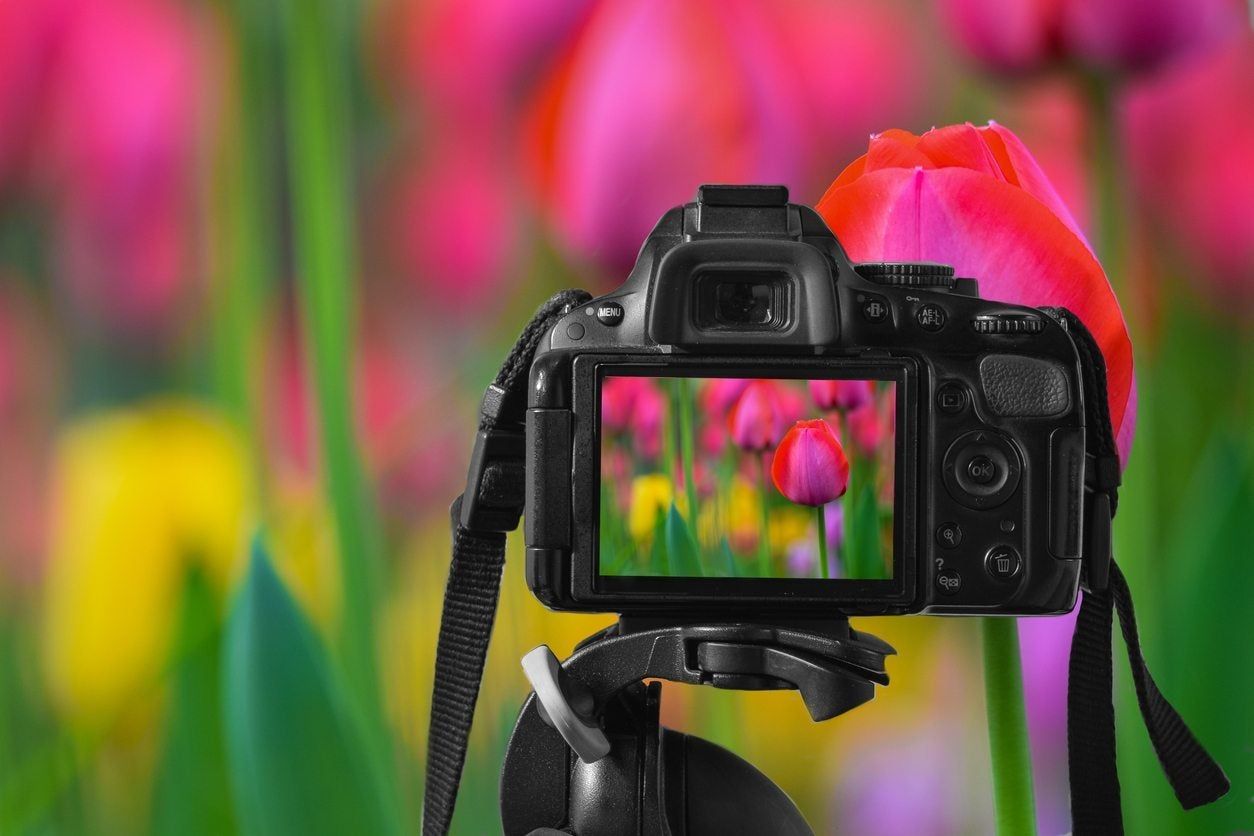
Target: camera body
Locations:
point(982, 471)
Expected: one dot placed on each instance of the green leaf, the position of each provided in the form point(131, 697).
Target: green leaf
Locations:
point(192, 793)
point(682, 551)
point(299, 756)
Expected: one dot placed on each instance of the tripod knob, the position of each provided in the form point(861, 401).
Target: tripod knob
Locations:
point(564, 705)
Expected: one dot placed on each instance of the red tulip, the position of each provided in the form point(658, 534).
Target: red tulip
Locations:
point(1191, 155)
point(810, 467)
point(840, 394)
point(976, 199)
point(755, 421)
point(652, 98)
point(1018, 35)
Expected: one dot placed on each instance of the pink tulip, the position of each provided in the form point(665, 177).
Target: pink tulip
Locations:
point(454, 228)
point(810, 467)
point(1021, 35)
point(1191, 155)
point(652, 98)
point(755, 422)
point(976, 199)
point(840, 394)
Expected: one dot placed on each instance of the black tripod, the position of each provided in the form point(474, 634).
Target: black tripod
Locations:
point(589, 757)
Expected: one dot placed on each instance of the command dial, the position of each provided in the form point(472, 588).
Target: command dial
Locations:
point(907, 273)
point(1008, 324)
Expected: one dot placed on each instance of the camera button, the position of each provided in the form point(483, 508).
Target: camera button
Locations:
point(1003, 563)
point(875, 309)
point(574, 331)
point(930, 317)
point(949, 535)
point(982, 469)
point(949, 582)
point(951, 398)
point(610, 313)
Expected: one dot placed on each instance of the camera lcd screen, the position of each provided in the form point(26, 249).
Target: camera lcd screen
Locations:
point(719, 477)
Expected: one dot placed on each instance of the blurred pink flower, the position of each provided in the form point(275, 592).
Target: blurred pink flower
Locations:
point(618, 401)
point(719, 393)
point(412, 456)
point(1021, 35)
point(840, 394)
point(867, 426)
point(803, 556)
point(755, 422)
point(472, 61)
point(120, 116)
point(810, 467)
point(976, 199)
point(647, 417)
point(1190, 139)
point(911, 779)
point(652, 98)
point(454, 229)
point(1045, 644)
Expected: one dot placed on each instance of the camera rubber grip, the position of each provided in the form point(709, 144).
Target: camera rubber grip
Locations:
point(1024, 387)
point(547, 523)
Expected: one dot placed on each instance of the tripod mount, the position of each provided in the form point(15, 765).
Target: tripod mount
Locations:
point(588, 755)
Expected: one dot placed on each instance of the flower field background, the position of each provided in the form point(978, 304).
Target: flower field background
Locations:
point(258, 261)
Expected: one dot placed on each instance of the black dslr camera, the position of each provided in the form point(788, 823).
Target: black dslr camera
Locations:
point(753, 425)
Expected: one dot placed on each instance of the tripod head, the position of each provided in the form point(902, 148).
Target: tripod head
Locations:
point(588, 755)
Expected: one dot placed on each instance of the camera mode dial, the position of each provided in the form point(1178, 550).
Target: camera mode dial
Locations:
point(907, 273)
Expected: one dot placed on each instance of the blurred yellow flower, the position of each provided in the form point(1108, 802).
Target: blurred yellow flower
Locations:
point(789, 525)
point(651, 494)
point(734, 514)
point(139, 497)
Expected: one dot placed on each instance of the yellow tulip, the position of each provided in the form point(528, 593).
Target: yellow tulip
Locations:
point(140, 497)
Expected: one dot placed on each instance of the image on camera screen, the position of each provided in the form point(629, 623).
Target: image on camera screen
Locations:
point(746, 478)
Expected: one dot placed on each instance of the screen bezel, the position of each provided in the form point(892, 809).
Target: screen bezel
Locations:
point(587, 584)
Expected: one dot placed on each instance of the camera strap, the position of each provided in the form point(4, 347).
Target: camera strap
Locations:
point(493, 502)
point(1194, 775)
point(490, 506)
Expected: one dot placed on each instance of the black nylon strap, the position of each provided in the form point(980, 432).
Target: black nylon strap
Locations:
point(474, 581)
point(1194, 776)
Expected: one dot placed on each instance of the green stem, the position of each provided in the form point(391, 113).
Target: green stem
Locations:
point(322, 226)
point(764, 539)
point(686, 447)
point(822, 541)
point(1007, 728)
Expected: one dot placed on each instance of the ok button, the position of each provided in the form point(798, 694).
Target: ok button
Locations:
point(982, 470)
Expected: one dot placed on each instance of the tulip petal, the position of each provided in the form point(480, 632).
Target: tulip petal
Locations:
point(1022, 170)
point(960, 146)
point(1019, 250)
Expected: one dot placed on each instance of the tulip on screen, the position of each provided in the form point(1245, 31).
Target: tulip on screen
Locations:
point(810, 468)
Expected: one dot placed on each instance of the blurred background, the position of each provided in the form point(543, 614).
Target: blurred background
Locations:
point(258, 261)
